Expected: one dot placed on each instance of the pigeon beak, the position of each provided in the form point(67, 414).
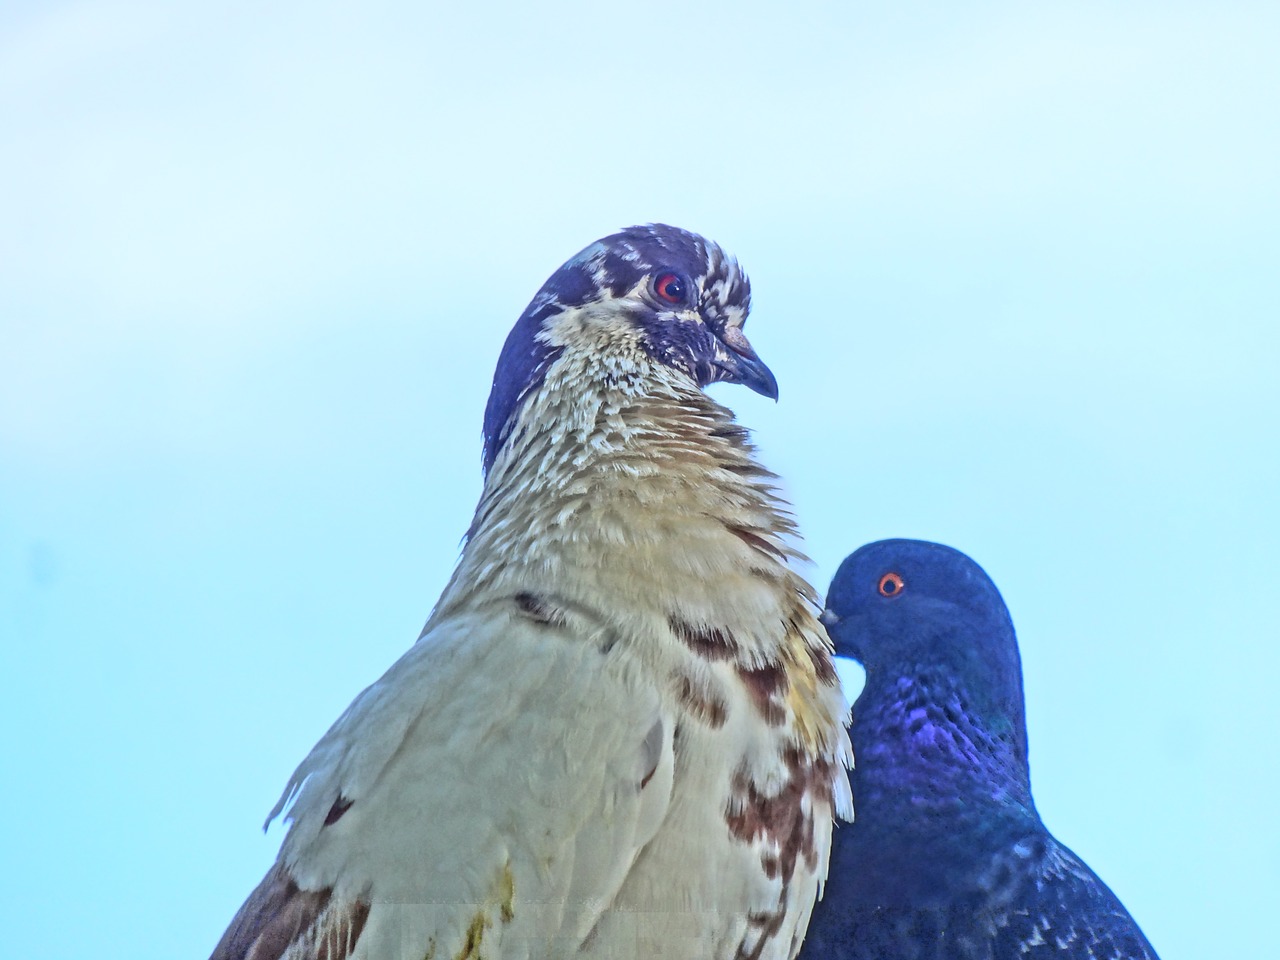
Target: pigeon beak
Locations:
point(745, 367)
point(846, 643)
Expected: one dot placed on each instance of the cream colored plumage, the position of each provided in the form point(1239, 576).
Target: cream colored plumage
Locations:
point(620, 733)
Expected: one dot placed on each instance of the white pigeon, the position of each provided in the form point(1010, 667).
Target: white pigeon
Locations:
point(620, 734)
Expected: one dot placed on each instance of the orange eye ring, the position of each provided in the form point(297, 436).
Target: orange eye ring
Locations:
point(891, 584)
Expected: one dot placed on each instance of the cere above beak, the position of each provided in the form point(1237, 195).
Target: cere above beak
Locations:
point(745, 367)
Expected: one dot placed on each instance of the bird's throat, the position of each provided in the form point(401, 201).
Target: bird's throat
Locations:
point(640, 488)
point(922, 750)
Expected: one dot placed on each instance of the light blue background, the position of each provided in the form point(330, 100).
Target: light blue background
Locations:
point(1016, 270)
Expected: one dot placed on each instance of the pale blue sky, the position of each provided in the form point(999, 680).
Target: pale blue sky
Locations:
point(1017, 271)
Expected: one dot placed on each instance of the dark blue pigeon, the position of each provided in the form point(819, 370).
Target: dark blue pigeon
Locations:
point(947, 857)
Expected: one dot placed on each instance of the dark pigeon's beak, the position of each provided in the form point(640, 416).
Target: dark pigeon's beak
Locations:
point(844, 641)
point(744, 367)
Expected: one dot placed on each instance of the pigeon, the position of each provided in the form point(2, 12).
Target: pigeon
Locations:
point(947, 856)
point(620, 733)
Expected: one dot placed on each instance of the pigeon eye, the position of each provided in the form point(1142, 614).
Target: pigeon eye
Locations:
point(670, 288)
point(891, 584)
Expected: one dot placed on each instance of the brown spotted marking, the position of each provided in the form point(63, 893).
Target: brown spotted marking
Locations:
point(507, 893)
point(710, 643)
point(767, 686)
point(809, 669)
point(701, 700)
point(340, 806)
point(278, 915)
point(746, 468)
point(756, 541)
point(824, 667)
point(774, 577)
point(765, 924)
point(786, 831)
point(732, 431)
point(652, 750)
point(539, 611)
point(781, 820)
point(475, 937)
point(338, 939)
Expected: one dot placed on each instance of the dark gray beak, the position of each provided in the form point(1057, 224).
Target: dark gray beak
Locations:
point(754, 374)
point(744, 367)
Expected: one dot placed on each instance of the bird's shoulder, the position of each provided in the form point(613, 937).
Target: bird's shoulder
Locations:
point(1026, 895)
point(1058, 907)
point(419, 817)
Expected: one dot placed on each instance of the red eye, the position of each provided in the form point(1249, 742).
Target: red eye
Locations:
point(670, 288)
point(891, 584)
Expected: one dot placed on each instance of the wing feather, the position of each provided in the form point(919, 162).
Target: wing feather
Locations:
point(278, 916)
point(493, 788)
point(1067, 912)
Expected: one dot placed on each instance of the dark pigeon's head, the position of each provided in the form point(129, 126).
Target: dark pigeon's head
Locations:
point(669, 293)
point(920, 610)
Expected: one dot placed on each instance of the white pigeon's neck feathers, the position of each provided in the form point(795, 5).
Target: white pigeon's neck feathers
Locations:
point(620, 479)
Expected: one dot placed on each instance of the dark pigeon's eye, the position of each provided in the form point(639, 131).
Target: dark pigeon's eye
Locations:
point(891, 584)
point(670, 288)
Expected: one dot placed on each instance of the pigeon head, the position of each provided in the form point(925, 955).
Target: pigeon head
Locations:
point(924, 616)
point(656, 291)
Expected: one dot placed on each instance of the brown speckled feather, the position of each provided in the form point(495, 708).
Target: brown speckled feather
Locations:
point(278, 916)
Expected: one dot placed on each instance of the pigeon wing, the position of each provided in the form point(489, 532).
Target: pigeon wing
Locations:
point(492, 788)
point(1067, 912)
